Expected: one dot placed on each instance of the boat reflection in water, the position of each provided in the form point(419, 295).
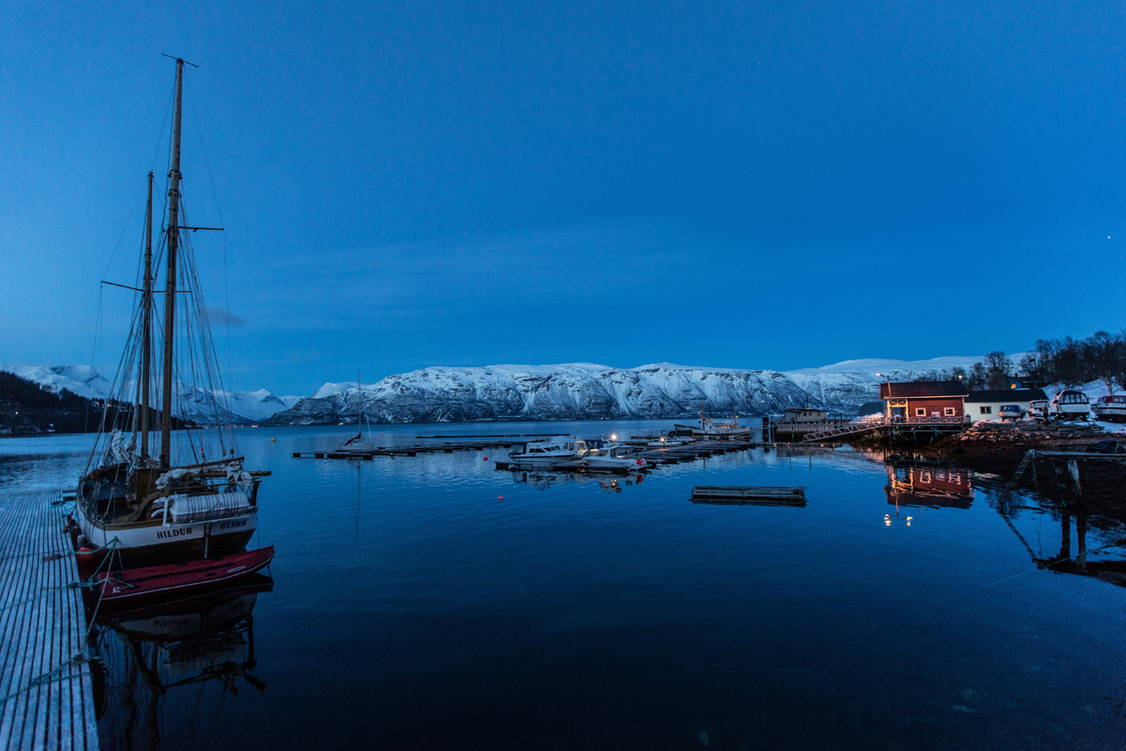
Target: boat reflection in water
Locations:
point(149, 656)
point(910, 485)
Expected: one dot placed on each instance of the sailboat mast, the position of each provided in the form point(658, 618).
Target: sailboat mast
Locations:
point(170, 282)
point(146, 329)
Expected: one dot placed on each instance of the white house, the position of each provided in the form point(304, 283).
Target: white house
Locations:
point(983, 405)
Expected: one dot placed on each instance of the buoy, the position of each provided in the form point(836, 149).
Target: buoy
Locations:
point(273, 440)
point(500, 497)
point(485, 459)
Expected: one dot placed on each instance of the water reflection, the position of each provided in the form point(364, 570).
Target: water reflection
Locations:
point(546, 480)
point(936, 487)
point(1073, 555)
point(149, 657)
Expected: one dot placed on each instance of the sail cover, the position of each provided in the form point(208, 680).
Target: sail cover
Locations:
point(196, 508)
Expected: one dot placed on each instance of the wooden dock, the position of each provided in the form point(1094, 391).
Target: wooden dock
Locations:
point(444, 447)
point(686, 452)
point(577, 466)
point(46, 691)
point(749, 494)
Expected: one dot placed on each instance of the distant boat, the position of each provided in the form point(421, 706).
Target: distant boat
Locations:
point(1111, 408)
point(160, 507)
point(543, 453)
point(1070, 404)
point(598, 454)
point(710, 429)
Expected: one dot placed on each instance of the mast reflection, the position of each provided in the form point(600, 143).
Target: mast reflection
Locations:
point(148, 655)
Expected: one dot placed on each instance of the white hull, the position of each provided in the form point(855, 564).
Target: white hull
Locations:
point(155, 538)
point(1116, 413)
point(541, 460)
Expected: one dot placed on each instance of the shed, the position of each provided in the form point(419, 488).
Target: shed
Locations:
point(911, 401)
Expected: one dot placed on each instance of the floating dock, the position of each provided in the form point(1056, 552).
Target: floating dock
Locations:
point(46, 691)
point(749, 494)
point(445, 447)
point(686, 452)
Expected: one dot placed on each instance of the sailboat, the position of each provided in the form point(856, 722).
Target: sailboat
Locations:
point(140, 496)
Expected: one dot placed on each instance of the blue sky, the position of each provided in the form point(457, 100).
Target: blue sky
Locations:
point(755, 184)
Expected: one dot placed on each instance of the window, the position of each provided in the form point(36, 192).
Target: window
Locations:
point(948, 411)
point(920, 412)
point(986, 410)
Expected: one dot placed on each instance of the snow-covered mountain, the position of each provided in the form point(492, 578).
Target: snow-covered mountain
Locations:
point(78, 379)
point(536, 392)
point(846, 385)
point(547, 392)
point(197, 405)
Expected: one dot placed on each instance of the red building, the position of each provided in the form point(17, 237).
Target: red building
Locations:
point(923, 401)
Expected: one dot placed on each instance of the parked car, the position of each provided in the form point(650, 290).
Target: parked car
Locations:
point(1038, 409)
point(1010, 412)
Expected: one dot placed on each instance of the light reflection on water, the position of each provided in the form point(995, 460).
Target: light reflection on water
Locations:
point(433, 601)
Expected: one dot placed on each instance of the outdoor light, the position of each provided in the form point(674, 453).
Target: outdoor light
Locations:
point(613, 436)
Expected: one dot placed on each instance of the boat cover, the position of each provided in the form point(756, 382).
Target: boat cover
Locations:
point(195, 508)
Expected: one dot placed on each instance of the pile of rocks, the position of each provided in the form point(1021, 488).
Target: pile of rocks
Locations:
point(1028, 433)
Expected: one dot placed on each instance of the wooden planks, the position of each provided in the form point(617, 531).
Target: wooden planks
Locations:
point(749, 494)
point(46, 692)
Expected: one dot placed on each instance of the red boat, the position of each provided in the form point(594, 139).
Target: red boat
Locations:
point(132, 583)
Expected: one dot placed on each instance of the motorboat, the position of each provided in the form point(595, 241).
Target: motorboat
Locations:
point(1111, 408)
point(599, 454)
point(709, 429)
point(543, 453)
point(1070, 404)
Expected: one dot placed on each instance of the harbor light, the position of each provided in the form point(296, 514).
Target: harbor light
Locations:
point(613, 436)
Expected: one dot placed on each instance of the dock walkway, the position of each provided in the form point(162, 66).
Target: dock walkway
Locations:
point(46, 692)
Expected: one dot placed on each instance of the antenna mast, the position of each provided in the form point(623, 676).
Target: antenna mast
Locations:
point(173, 230)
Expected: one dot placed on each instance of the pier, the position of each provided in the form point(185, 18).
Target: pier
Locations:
point(445, 447)
point(654, 456)
point(914, 428)
point(46, 691)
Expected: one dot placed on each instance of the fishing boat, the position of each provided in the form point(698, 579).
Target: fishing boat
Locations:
point(1111, 408)
point(709, 429)
point(144, 496)
point(1070, 404)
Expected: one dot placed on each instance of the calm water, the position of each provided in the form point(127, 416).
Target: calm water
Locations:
point(434, 602)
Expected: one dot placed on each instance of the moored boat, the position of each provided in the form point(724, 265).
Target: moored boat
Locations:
point(189, 495)
point(602, 455)
point(543, 453)
point(151, 582)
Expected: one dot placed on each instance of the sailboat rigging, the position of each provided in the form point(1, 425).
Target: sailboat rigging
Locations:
point(180, 504)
